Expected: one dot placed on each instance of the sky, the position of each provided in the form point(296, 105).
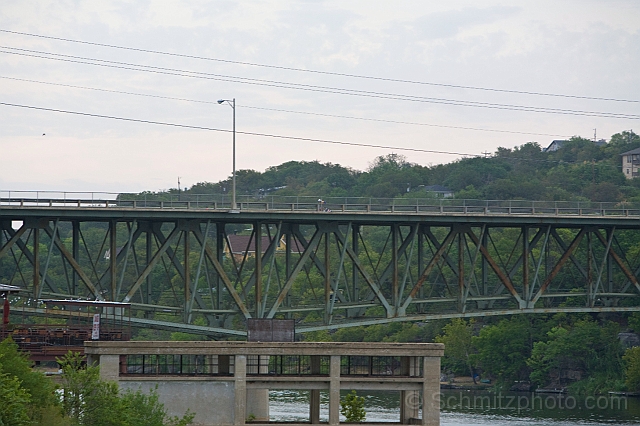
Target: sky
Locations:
point(391, 74)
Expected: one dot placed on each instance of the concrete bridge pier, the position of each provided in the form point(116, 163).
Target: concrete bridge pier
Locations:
point(258, 399)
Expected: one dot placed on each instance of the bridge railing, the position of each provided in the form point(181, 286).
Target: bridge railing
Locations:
point(315, 204)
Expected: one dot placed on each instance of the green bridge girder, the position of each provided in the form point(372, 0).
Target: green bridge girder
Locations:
point(196, 269)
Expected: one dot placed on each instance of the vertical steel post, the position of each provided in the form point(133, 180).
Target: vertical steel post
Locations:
point(590, 290)
point(75, 252)
point(148, 256)
point(420, 237)
point(609, 263)
point(258, 269)
point(355, 230)
point(460, 271)
point(287, 268)
point(187, 275)
point(219, 258)
point(113, 258)
point(327, 278)
point(36, 262)
point(395, 299)
point(525, 263)
point(485, 265)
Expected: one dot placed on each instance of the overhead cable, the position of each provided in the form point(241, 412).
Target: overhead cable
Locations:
point(283, 110)
point(367, 77)
point(266, 135)
point(306, 87)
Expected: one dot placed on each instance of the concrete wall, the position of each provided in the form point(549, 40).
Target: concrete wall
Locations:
point(214, 400)
point(226, 400)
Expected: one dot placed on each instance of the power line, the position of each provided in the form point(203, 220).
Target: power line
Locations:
point(488, 89)
point(282, 110)
point(266, 135)
point(306, 87)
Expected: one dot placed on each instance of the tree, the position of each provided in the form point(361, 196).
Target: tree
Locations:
point(631, 359)
point(503, 349)
point(458, 345)
point(352, 407)
point(14, 402)
point(40, 390)
point(91, 401)
point(587, 347)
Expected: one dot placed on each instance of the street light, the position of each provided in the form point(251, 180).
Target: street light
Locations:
point(232, 104)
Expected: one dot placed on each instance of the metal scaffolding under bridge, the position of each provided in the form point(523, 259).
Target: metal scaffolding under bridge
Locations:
point(206, 270)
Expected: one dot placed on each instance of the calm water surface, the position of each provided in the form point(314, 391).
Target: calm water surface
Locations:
point(460, 408)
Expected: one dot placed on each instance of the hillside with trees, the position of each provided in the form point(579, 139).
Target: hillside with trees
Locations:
point(579, 171)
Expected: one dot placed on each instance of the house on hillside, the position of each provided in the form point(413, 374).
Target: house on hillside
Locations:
point(558, 143)
point(554, 146)
point(631, 163)
point(439, 191)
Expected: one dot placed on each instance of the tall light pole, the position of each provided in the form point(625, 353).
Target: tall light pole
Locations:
point(232, 104)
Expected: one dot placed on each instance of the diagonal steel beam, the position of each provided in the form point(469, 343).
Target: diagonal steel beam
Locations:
point(450, 262)
point(174, 259)
point(559, 264)
point(222, 274)
point(564, 247)
point(375, 287)
point(24, 248)
point(630, 275)
point(74, 264)
point(154, 260)
point(313, 244)
point(504, 278)
point(427, 270)
point(317, 262)
point(268, 254)
point(14, 238)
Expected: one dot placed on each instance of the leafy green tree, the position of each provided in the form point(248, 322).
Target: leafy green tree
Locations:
point(503, 349)
point(457, 337)
point(86, 398)
point(91, 401)
point(352, 407)
point(631, 359)
point(584, 346)
point(15, 364)
point(14, 402)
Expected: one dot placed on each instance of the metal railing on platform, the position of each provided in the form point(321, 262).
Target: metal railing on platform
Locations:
point(59, 199)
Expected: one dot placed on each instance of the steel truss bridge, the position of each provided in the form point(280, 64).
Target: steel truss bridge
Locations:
point(195, 269)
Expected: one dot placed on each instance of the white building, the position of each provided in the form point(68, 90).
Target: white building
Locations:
point(631, 163)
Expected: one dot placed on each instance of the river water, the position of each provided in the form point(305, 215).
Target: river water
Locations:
point(462, 408)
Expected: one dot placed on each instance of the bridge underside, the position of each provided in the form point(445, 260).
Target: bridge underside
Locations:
point(198, 271)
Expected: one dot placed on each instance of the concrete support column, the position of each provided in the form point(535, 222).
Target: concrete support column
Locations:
point(110, 367)
point(431, 391)
point(409, 400)
point(314, 397)
point(334, 390)
point(240, 390)
point(258, 399)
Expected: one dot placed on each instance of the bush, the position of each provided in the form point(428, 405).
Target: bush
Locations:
point(352, 407)
point(91, 401)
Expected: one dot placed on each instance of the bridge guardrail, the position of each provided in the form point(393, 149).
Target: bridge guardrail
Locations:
point(312, 204)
